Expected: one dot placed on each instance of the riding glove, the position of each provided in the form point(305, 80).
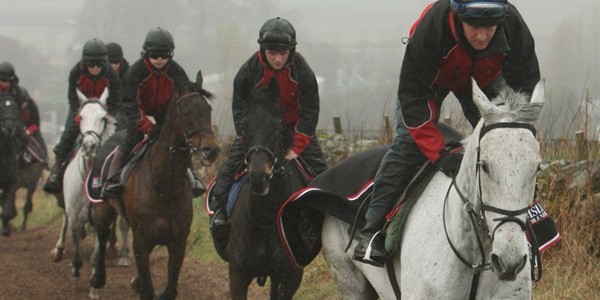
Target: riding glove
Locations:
point(449, 162)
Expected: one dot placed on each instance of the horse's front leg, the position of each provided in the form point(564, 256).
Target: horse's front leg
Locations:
point(103, 216)
point(124, 259)
point(8, 211)
point(27, 208)
point(239, 281)
point(58, 251)
point(176, 255)
point(142, 283)
point(76, 237)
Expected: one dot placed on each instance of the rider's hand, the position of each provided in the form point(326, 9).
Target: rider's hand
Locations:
point(449, 162)
point(145, 125)
point(290, 154)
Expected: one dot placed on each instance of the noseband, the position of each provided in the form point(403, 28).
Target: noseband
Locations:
point(477, 218)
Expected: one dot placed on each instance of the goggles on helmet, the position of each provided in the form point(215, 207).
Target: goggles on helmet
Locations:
point(480, 9)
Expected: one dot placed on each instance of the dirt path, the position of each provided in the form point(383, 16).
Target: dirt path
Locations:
point(28, 272)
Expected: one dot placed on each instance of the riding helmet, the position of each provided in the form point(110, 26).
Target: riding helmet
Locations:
point(480, 13)
point(7, 71)
point(115, 52)
point(158, 39)
point(94, 50)
point(277, 34)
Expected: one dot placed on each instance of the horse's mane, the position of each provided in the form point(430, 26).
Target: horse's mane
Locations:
point(516, 107)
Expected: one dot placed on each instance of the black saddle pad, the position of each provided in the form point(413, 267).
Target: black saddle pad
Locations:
point(99, 169)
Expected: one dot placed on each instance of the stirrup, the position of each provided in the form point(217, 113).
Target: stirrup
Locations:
point(377, 261)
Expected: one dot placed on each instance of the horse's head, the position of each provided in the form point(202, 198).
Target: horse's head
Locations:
point(262, 133)
point(95, 123)
point(501, 162)
point(10, 115)
point(194, 122)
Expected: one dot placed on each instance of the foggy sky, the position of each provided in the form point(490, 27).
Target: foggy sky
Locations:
point(355, 46)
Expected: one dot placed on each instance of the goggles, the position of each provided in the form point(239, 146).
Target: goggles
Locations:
point(94, 63)
point(479, 9)
point(160, 54)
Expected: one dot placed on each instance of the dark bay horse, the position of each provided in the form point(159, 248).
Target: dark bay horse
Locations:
point(157, 195)
point(12, 144)
point(31, 171)
point(254, 249)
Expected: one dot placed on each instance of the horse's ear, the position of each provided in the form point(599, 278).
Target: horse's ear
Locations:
point(104, 96)
point(538, 95)
point(199, 80)
point(81, 96)
point(481, 100)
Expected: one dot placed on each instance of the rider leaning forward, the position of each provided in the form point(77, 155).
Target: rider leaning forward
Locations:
point(452, 41)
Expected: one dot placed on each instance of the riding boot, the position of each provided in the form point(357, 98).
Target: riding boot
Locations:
point(198, 187)
point(112, 187)
point(54, 183)
point(371, 248)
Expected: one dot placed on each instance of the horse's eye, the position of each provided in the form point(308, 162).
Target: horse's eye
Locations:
point(484, 167)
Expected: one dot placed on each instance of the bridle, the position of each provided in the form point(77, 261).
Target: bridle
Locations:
point(92, 133)
point(478, 218)
point(189, 147)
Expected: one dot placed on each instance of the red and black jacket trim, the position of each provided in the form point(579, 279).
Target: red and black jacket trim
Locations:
point(439, 60)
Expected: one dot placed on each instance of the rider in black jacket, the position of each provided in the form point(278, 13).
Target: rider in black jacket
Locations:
point(91, 75)
point(452, 41)
point(276, 60)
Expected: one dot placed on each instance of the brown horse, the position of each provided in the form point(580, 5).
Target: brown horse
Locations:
point(157, 195)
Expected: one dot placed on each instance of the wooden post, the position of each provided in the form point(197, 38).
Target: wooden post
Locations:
point(387, 130)
point(337, 124)
point(581, 145)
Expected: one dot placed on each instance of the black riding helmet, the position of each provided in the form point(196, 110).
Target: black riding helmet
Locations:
point(94, 51)
point(480, 13)
point(277, 34)
point(158, 39)
point(115, 52)
point(7, 71)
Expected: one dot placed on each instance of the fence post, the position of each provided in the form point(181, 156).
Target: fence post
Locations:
point(337, 124)
point(581, 145)
point(387, 130)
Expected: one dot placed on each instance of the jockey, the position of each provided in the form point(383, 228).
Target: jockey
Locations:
point(9, 82)
point(149, 86)
point(91, 76)
point(277, 60)
point(452, 41)
point(115, 57)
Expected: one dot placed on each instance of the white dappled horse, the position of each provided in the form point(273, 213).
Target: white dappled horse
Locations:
point(457, 232)
point(96, 126)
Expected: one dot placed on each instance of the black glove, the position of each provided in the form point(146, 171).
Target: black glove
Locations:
point(449, 163)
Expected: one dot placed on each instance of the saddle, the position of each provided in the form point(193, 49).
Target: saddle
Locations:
point(344, 193)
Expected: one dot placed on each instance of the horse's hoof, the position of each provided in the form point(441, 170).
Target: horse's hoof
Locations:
point(97, 281)
point(57, 255)
point(135, 284)
point(94, 294)
point(6, 231)
point(124, 262)
point(75, 272)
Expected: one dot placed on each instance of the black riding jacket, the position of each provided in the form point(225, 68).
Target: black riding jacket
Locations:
point(299, 94)
point(148, 91)
point(93, 86)
point(439, 60)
